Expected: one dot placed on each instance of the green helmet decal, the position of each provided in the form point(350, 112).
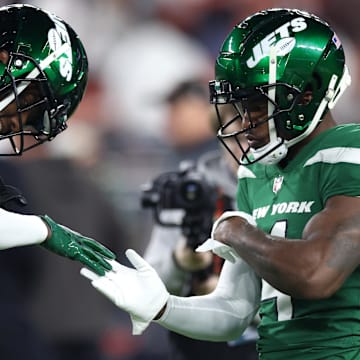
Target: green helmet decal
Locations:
point(45, 58)
point(307, 56)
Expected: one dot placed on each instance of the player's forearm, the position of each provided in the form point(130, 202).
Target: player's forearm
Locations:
point(202, 318)
point(20, 230)
point(222, 315)
point(287, 265)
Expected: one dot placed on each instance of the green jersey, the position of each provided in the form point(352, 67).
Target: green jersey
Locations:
point(282, 201)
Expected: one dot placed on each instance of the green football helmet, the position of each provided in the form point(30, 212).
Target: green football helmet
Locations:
point(275, 59)
point(43, 76)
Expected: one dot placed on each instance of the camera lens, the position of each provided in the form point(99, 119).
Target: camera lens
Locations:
point(191, 191)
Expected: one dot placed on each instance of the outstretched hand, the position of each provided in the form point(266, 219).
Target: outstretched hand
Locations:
point(138, 291)
point(70, 244)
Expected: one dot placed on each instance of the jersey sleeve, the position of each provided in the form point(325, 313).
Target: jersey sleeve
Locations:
point(338, 172)
point(335, 162)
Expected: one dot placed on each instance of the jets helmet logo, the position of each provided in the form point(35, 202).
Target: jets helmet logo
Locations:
point(280, 38)
point(57, 37)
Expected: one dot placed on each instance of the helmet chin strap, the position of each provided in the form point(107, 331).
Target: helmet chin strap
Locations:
point(343, 84)
point(329, 100)
point(317, 117)
point(277, 148)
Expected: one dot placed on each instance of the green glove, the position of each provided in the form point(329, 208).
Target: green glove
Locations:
point(70, 244)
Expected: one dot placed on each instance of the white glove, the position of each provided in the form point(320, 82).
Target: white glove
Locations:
point(224, 251)
point(138, 291)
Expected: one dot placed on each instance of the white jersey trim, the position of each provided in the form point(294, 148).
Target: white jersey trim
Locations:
point(243, 172)
point(336, 155)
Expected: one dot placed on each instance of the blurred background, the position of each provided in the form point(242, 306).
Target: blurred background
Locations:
point(125, 132)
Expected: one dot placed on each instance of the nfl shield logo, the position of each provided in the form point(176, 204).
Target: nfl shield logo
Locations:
point(277, 183)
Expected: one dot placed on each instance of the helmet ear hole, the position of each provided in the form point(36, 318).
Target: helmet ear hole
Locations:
point(307, 97)
point(4, 56)
point(318, 83)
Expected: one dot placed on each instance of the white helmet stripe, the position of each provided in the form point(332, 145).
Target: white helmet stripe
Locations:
point(272, 93)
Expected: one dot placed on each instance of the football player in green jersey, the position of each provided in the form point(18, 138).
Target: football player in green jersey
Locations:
point(43, 76)
point(293, 248)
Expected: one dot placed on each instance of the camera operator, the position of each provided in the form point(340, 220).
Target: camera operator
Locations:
point(185, 204)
